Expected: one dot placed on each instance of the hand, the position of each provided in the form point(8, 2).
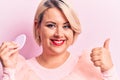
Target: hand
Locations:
point(101, 57)
point(8, 54)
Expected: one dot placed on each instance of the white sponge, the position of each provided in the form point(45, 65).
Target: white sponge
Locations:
point(20, 40)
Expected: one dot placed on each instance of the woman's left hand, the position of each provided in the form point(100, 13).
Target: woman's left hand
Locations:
point(101, 57)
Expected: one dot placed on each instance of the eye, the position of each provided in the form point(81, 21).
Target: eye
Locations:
point(50, 25)
point(67, 27)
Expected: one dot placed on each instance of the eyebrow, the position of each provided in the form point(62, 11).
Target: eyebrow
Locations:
point(66, 23)
point(55, 23)
point(51, 22)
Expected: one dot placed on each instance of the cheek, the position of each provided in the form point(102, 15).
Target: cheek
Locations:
point(70, 36)
point(45, 34)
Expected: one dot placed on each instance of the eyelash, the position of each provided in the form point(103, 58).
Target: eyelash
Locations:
point(66, 26)
point(53, 26)
point(50, 25)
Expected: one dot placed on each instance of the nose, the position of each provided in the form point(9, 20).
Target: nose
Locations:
point(59, 32)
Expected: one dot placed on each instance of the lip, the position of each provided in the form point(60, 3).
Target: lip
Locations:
point(57, 42)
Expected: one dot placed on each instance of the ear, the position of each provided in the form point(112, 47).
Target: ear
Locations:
point(36, 28)
point(36, 23)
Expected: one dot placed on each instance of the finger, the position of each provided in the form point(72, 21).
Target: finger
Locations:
point(96, 49)
point(96, 53)
point(14, 55)
point(3, 45)
point(106, 43)
point(97, 63)
point(14, 52)
point(9, 45)
point(12, 45)
point(95, 58)
point(6, 54)
point(9, 52)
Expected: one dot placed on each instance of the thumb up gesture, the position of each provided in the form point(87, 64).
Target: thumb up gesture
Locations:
point(100, 57)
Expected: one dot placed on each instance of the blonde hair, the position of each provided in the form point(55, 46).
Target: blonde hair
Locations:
point(61, 5)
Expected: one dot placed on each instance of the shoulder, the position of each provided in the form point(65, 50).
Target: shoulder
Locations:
point(86, 68)
point(24, 70)
point(25, 64)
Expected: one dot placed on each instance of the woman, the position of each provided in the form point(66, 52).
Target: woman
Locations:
point(56, 27)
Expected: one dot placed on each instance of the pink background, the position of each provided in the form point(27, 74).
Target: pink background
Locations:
point(100, 19)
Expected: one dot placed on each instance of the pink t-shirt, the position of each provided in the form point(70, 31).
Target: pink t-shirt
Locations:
point(74, 68)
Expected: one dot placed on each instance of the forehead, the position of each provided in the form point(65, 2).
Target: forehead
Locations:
point(54, 14)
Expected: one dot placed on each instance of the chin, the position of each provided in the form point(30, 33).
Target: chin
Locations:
point(58, 51)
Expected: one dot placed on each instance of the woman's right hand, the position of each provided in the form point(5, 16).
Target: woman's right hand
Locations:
point(8, 54)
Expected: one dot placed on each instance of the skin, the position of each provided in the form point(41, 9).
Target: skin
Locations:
point(54, 27)
point(54, 55)
point(8, 54)
point(100, 57)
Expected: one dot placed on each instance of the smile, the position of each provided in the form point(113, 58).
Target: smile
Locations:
point(58, 42)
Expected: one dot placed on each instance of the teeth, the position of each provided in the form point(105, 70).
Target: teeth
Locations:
point(58, 42)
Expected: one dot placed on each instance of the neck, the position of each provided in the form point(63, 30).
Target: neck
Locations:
point(52, 61)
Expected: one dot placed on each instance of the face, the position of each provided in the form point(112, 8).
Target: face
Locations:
point(55, 32)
